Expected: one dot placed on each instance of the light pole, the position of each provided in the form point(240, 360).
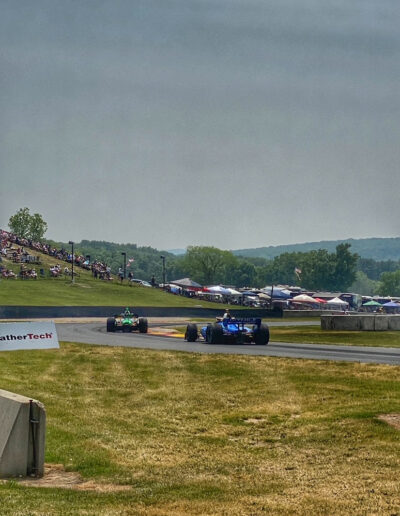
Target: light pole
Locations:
point(72, 261)
point(163, 270)
point(124, 255)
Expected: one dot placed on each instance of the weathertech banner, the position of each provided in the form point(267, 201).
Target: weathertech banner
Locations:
point(28, 335)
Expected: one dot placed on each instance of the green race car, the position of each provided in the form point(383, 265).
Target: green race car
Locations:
point(127, 322)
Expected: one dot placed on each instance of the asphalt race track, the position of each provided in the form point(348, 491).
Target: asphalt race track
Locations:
point(95, 333)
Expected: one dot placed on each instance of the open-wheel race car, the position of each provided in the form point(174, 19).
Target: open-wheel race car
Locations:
point(127, 322)
point(228, 331)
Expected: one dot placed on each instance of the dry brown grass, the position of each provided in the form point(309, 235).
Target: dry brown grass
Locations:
point(165, 433)
point(55, 476)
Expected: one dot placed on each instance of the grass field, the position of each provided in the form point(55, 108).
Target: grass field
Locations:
point(312, 334)
point(169, 433)
point(85, 291)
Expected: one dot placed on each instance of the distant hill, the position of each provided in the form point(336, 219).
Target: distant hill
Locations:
point(176, 252)
point(375, 248)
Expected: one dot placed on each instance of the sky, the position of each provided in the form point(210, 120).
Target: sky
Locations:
point(230, 123)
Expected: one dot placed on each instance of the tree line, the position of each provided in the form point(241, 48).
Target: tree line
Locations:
point(315, 270)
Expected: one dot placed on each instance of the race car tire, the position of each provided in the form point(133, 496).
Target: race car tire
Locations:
point(207, 339)
point(216, 334)
point(143, 325)
point(191, 332)
point(261, 334)
point(126, 329)
point(110, 324)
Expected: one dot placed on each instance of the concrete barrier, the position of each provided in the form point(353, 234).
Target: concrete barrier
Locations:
point(22, 436)
point(361, 322)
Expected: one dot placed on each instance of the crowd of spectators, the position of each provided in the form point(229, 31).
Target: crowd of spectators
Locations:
point(16, 248)
point(7, 273)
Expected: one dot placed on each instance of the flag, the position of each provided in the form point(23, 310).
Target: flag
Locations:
point(130, 261)
point(297, 271)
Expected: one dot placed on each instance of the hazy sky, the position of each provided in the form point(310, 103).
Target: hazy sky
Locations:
point(233, 123)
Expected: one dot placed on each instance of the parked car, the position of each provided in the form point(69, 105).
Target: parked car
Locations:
point(140, 282)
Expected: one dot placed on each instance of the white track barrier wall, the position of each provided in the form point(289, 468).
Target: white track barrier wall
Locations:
point(22, 436)
point(361, 322)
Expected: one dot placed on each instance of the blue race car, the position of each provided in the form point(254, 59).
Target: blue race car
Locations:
point(227, 331)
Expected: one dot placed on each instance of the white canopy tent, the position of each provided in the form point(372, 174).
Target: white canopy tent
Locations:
point(338, 302)
point(217, 289)
point(304, 298)
point(233, 292)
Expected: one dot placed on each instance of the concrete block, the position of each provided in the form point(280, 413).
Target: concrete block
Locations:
point(326, 322)
point(367, 322)
point(348, 322)
point(363, 322)
point(394, 322)
point(22, 436)
point(381, 322)
point(340, 322)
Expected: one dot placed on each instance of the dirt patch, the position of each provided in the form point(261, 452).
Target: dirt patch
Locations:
point(56, 476)
point(391, 419)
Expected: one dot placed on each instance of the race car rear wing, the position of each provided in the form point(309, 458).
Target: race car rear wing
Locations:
point(245, 320)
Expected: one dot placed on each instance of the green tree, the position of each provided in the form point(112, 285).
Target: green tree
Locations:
point(363, 285)
point(389, 284)
point(373, 269)
point(345, 267)
point(239, 273)
point(321, 270)
point(26, 225)
point(284, 268)
point(318, 270)
point(37, 227)
point(19, 223)
point(207, 265)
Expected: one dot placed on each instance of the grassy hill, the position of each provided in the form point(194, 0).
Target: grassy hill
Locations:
point(85, 291)
point(375, 248)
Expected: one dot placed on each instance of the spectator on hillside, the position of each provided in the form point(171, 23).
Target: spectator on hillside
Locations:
point(7, 239)
point(121, 274)
point(55, 271)
point(8, 273)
